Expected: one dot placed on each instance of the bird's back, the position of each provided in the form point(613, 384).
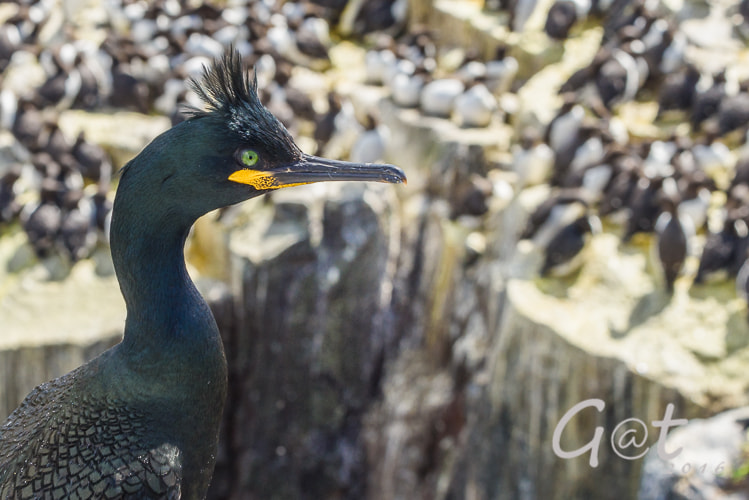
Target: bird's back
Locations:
point(61, 443)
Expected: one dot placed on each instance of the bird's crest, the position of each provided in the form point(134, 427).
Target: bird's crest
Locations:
point(225, 85)
point(230, 94)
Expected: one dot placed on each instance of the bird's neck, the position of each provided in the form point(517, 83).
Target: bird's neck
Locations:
point(168, 321)
point(171, 351)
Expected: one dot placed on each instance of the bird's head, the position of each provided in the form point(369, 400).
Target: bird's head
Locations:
point(233, 150)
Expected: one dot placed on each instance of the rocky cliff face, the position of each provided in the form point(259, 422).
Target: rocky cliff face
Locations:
point(450, 367)
point(313, 277)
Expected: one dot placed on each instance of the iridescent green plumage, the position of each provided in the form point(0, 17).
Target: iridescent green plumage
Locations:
point(142, 420)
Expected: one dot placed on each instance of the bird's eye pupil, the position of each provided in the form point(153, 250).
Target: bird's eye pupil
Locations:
point(249, 157)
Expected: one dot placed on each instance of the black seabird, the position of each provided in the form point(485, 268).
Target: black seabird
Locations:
point(142, 419)
point(672, 240)
point(718, 259)
point(643, 207)
point(707, 102)
point(560, 19)
point(42, 224)
point(562, 254)
point(678, 90)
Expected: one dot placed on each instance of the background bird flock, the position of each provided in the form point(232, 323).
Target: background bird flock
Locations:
point(692, 180)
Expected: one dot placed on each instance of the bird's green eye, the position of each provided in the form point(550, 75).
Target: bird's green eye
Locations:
point(249, 157)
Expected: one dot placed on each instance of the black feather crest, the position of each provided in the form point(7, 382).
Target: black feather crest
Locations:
point(225, 85)
point(231, 96)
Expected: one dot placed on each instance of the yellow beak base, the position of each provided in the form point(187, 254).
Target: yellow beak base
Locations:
point(260, 180)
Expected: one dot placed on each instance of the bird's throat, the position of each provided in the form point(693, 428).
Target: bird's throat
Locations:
point(168, 321)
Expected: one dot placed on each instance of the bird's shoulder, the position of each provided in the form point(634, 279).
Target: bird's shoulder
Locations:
point(61, 442)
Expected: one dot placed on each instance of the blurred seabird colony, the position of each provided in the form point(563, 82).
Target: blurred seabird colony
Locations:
point(691, 180)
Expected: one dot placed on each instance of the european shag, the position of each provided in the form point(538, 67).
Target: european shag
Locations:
point(142, 419)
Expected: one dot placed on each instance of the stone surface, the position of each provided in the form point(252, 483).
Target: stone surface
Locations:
point(698, 460)
point(312, 274)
